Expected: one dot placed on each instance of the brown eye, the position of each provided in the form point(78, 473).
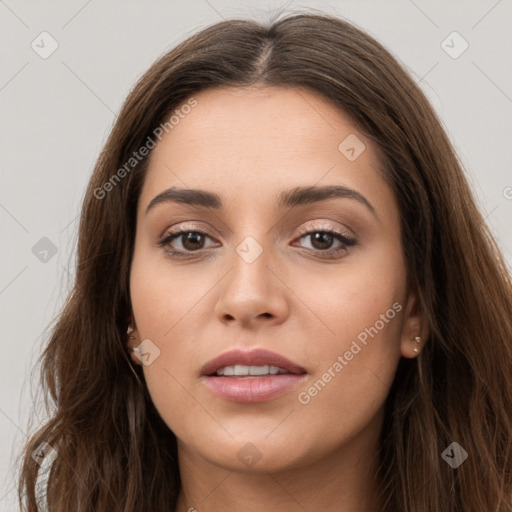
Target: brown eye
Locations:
point(184, 242)
point(322, 240)
point(192, 240)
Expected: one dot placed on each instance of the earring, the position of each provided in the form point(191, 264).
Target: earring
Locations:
point(417, 339)
point(133, 349)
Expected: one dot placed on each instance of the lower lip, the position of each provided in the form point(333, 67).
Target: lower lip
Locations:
point(250, 390)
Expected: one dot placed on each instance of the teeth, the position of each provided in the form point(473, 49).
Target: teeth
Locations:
point(242, 370)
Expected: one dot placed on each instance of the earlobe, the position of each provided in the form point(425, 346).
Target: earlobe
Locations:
point(412, 348)
point(132, 341)
point(415, 330)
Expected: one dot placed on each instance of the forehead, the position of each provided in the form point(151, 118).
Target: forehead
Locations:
point(257, 139)
point(246, 119)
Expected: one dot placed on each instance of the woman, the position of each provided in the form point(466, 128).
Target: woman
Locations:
point(285, 297)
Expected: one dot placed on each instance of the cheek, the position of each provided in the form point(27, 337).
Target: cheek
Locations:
point(165, 304)
point(357, 347)
point(360, 300)
point(164, 294)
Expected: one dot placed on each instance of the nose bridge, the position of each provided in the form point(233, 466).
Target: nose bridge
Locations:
point(250, 273)
point(252, 239)
point(250, 289)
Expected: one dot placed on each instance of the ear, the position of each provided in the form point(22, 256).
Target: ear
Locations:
point(414, 326)
point(133, 339)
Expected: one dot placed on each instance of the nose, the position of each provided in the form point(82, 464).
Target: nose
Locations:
point(253, 293)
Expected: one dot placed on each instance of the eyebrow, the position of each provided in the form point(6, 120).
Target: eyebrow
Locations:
point(286, 199)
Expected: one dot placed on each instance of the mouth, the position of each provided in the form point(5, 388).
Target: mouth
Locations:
point(251, 377)
point(240, 370)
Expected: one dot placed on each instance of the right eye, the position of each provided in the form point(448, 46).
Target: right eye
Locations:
point(191, 241)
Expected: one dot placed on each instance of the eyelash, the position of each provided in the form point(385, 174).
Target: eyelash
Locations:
point(345, 241)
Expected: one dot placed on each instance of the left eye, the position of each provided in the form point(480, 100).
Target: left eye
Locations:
point(323, 240)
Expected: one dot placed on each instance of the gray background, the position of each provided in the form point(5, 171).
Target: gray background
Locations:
point(56, 114)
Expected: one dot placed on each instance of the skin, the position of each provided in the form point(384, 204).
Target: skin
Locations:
point(247, 145)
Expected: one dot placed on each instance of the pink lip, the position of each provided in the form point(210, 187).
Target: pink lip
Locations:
point(257, 357)
point(251, 389)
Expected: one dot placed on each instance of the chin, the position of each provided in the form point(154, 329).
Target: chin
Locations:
point(253, 457)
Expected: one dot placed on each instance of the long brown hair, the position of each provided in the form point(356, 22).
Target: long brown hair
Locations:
point(115, 453)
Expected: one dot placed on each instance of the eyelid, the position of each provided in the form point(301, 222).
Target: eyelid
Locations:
point(340, 234)
point(304, 230)
point(311, 226)
point(183, 227)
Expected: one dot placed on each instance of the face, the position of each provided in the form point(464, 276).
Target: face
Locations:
point(272, 271)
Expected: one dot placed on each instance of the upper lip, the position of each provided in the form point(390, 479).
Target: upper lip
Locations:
point(257, 357)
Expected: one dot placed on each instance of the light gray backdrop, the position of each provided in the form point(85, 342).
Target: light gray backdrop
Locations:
point(66, 67)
